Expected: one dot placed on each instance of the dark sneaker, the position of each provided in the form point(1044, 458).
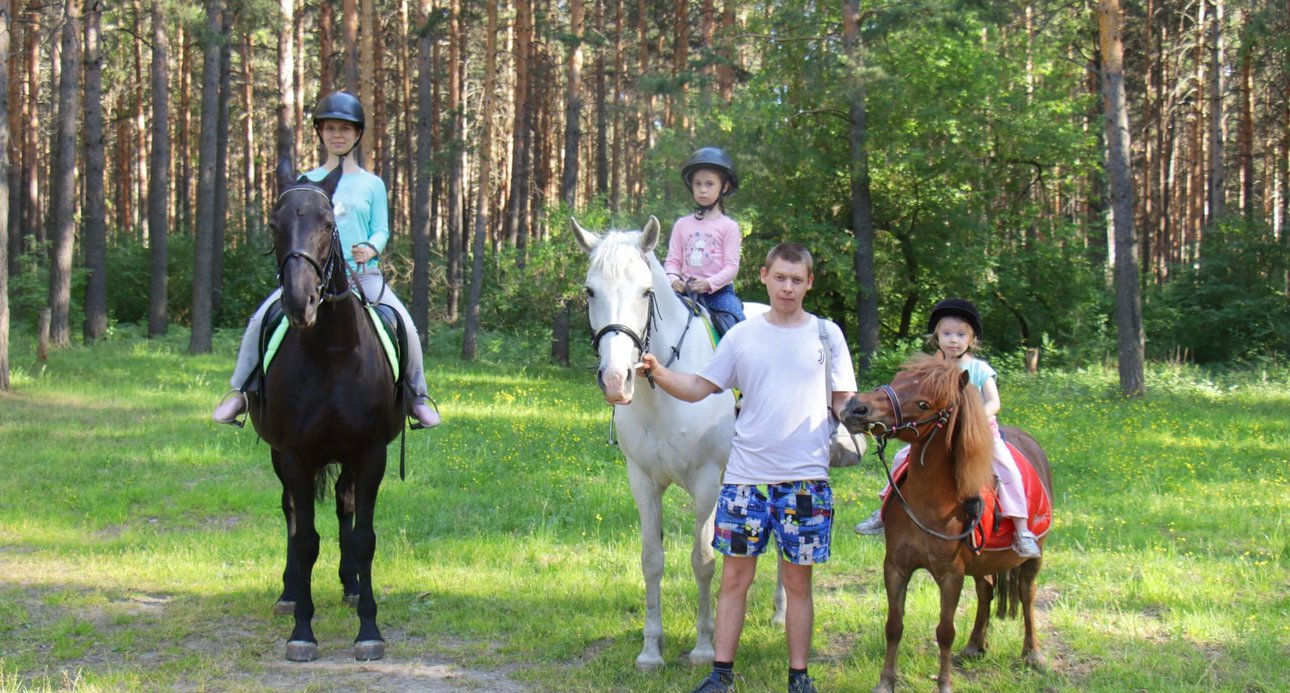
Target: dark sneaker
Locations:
point(1025, 545)
point(801, 684)
point(872, 525)
point(715, 684)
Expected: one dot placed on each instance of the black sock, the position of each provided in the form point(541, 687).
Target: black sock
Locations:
point(795, 674)
point(724, 671)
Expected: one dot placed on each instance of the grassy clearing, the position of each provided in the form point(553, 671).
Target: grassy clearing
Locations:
point(141, 546)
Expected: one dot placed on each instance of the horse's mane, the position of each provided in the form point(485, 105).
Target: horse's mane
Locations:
point(615, 253)
point(967, 435)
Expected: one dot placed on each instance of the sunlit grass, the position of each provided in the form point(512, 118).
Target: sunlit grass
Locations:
point(141, 546)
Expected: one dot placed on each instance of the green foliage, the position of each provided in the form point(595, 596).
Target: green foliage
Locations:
point(1230, 307)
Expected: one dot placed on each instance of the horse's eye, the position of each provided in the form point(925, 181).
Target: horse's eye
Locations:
point(924, 404)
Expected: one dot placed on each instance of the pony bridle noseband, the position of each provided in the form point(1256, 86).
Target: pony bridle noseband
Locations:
point(324, 271)
point(939, 419)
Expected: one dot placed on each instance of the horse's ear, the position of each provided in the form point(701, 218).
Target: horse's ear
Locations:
point(963, 379)
point(586, 239)
point(332, 180)
point(649, 236)
point(286, 174)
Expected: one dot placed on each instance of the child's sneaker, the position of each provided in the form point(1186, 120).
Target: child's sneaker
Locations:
point(1024, 545)
point(801, 684)
point(871, 525)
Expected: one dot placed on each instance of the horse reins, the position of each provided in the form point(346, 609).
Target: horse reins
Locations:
point(939, 419)
point(640, 342)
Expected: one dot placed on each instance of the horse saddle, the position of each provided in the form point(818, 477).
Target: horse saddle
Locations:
point(389, 327)
point(995, 532)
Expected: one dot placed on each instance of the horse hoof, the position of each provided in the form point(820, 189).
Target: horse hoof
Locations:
point(351, 600)
point(302, 651)
point(648, 664)
point(368, 650)
point(284, 608)
point(968, 654)
point(698, 658)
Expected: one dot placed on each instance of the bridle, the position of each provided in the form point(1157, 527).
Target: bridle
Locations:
point(938, 419)
point(641, 339)
point(334, 257)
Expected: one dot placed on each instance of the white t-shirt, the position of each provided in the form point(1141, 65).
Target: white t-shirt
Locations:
point(782, 433)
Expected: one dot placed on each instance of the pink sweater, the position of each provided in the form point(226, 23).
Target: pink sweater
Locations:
point(704, 249)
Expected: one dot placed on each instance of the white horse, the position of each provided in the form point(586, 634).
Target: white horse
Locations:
point(633, 310)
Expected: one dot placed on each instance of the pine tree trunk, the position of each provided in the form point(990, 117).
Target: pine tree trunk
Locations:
point(95, 214)
point(1217, 170)
point(421, 209)
point(1128, 301)
point(5, 221)
point(520, 129)
point(470, 337)
point(12, 158)
point(349, 27)
point(457, 165)
point(203, 262)
point(573, 107)
point(862, 226)
point(158, 194)
point(367, 88)
point(220, 240)
point(602, 110)
point(32, 221)
point(286, 148)
point(63, 180)
point(250, 182)
point(1246, 145)
point(184, 155)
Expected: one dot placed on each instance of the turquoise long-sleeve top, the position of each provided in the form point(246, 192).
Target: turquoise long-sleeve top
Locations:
point(362, 212)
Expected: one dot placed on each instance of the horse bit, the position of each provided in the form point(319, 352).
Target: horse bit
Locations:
point(940, 418)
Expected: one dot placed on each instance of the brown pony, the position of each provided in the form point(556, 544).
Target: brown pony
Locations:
point(929, 399)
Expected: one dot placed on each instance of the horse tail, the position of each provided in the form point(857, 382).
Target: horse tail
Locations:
point(323, 479)
point(1007, 594)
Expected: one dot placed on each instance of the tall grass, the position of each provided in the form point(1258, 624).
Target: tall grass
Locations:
point(141, 546)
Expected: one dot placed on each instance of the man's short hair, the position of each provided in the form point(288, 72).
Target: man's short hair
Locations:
point(792, 253)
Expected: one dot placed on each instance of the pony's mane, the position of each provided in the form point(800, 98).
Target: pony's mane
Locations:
point(967, 435)
point(616, 252)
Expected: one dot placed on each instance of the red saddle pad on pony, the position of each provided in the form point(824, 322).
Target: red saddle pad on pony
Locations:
point(994, 533)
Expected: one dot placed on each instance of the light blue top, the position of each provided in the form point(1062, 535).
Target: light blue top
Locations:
point(362, 212)
point(978, 373)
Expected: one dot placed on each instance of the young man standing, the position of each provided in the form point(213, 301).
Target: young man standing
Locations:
point(777, 478)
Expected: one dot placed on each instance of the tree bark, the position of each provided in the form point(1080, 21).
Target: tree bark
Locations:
point(203, 262)
point(573, 106)
point(159, 183)
point(367, 87)
point(32, 221)
point(250, 173)
point(6, 25)
point(95, 214)
point(1217, 170)
point(867, 336)
point(457, 165)
point(1128, 300)
point(520, 130)
point(219, 241)
point(286, 136)
point(63, 188)
point(349, 26)
point(421, 217)
point(14, 123)
point(470, 337)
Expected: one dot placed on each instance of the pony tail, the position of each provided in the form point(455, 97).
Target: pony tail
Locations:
point(971, 443)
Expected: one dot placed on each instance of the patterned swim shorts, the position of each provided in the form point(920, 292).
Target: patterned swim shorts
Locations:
point(798, 513)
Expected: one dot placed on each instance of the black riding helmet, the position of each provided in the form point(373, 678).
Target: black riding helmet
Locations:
point(340, 105)
point(958, 308)
point(714, 158)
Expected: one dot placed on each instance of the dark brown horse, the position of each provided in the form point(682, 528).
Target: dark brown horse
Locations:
point(950, 463)
point(328, 398)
